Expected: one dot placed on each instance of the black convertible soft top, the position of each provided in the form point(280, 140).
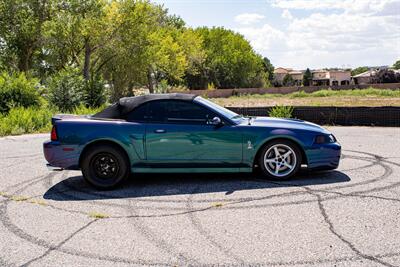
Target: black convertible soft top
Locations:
point(127, 104)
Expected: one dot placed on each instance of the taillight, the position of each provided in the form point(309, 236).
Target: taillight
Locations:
point(53, 135)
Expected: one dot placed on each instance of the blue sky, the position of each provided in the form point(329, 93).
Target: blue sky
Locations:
point(305, 33)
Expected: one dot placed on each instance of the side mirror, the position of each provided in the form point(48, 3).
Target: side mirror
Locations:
point(216, 121)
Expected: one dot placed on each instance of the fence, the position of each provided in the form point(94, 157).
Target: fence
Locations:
point(287, 90)
point(346, 116)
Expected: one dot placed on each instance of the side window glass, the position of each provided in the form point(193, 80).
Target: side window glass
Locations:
point(185, 112)
point(157, 111)
point(171, 111)
point(139, 114)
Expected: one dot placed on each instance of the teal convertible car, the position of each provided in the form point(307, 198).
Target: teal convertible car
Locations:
point(184, 133)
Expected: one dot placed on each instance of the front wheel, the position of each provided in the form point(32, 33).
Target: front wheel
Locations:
point(105, 166)
point(280, 159)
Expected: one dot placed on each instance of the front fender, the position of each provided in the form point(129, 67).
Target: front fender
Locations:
point(258, 142)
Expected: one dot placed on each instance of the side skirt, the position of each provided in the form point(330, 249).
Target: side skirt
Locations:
point(189, 170)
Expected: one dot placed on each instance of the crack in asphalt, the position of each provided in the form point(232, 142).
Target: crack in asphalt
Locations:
point(56, 247)
point(344, 240)
point(203, 232)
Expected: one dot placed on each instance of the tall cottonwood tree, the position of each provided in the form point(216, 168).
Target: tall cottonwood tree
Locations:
point(21, 25)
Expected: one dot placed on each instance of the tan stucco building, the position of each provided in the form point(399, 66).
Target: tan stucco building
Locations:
point(280, 73)
point(331, 77)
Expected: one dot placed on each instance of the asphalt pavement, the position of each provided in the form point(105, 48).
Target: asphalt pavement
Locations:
point(346, 217)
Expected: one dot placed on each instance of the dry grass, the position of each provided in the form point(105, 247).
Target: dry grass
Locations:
point(348, 101)
point(19, 198)
point(98, 215)
point(370, 97)
point(217, 205)
point(38, 202)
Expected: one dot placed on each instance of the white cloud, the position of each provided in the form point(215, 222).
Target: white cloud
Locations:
point(314, 4)
point(286, 14)
point(367, 33)
point(364, 6)
point(248, 18)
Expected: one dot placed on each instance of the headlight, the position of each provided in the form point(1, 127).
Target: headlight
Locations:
point(323, 139)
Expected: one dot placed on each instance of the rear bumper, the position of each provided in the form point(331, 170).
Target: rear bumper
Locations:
point(52, 168)
point(324, 156)
point(61, 156)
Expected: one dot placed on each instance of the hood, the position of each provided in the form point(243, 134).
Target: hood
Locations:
point(286, 124)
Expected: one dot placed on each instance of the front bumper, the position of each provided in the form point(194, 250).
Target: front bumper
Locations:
point(61, 156)
point(324, 156)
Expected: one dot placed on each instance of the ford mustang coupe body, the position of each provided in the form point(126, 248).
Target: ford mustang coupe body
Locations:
point(184, 133)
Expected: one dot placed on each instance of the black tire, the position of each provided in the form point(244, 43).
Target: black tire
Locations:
point(105, 166)
point(267, 168)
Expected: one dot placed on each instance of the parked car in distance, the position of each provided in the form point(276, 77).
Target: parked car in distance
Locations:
point(173, 133)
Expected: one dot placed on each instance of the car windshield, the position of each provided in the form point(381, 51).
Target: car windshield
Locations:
point(221, 110)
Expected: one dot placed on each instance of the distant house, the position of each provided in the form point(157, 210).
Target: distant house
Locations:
point(297, 77)
point(331, 77)
point(280, 73)
point(319, 77)
point(339, 77)
point(366, 77)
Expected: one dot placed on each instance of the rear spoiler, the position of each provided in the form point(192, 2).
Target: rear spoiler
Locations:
point(60, 117)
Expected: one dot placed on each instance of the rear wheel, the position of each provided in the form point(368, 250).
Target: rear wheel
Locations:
point(280, 159)
point(105, 166)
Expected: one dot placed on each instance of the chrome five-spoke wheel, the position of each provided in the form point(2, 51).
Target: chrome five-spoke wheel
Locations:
point(280, 159)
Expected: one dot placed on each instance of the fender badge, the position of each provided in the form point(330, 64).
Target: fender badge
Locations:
point(249, 145)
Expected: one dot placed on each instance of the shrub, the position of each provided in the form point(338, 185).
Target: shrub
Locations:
point(95, 92)
point(162, 87)
point(18, 91)
point(66, 90)
point(22, 120)
point(281, 111)
point(83, 110)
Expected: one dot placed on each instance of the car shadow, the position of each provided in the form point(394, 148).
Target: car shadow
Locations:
point(150, 185)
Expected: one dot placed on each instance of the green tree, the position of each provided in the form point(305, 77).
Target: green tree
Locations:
point(396, 65)
point(307, 77)
point(288, 80)
point(359, 70)
point(230, 61)
point(268, 68)
point(146, 48)
point(21, 23)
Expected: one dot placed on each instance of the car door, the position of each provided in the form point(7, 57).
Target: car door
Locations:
point(179, 133)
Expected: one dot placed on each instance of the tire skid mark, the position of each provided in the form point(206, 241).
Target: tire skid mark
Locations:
point(196, 223)
point(343, 239)
point(378, 160)
point(39, 178)
point(59, 244)
point(11, 227)
point(18, 163)
point(299, 192)
point(3, 263)
point(146, 232)
point(141, 228)
point(388, 172)
point(228, 204)
point(88, 190)
point(21, 156)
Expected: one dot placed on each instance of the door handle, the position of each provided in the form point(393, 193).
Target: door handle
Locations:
point(160, 131)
